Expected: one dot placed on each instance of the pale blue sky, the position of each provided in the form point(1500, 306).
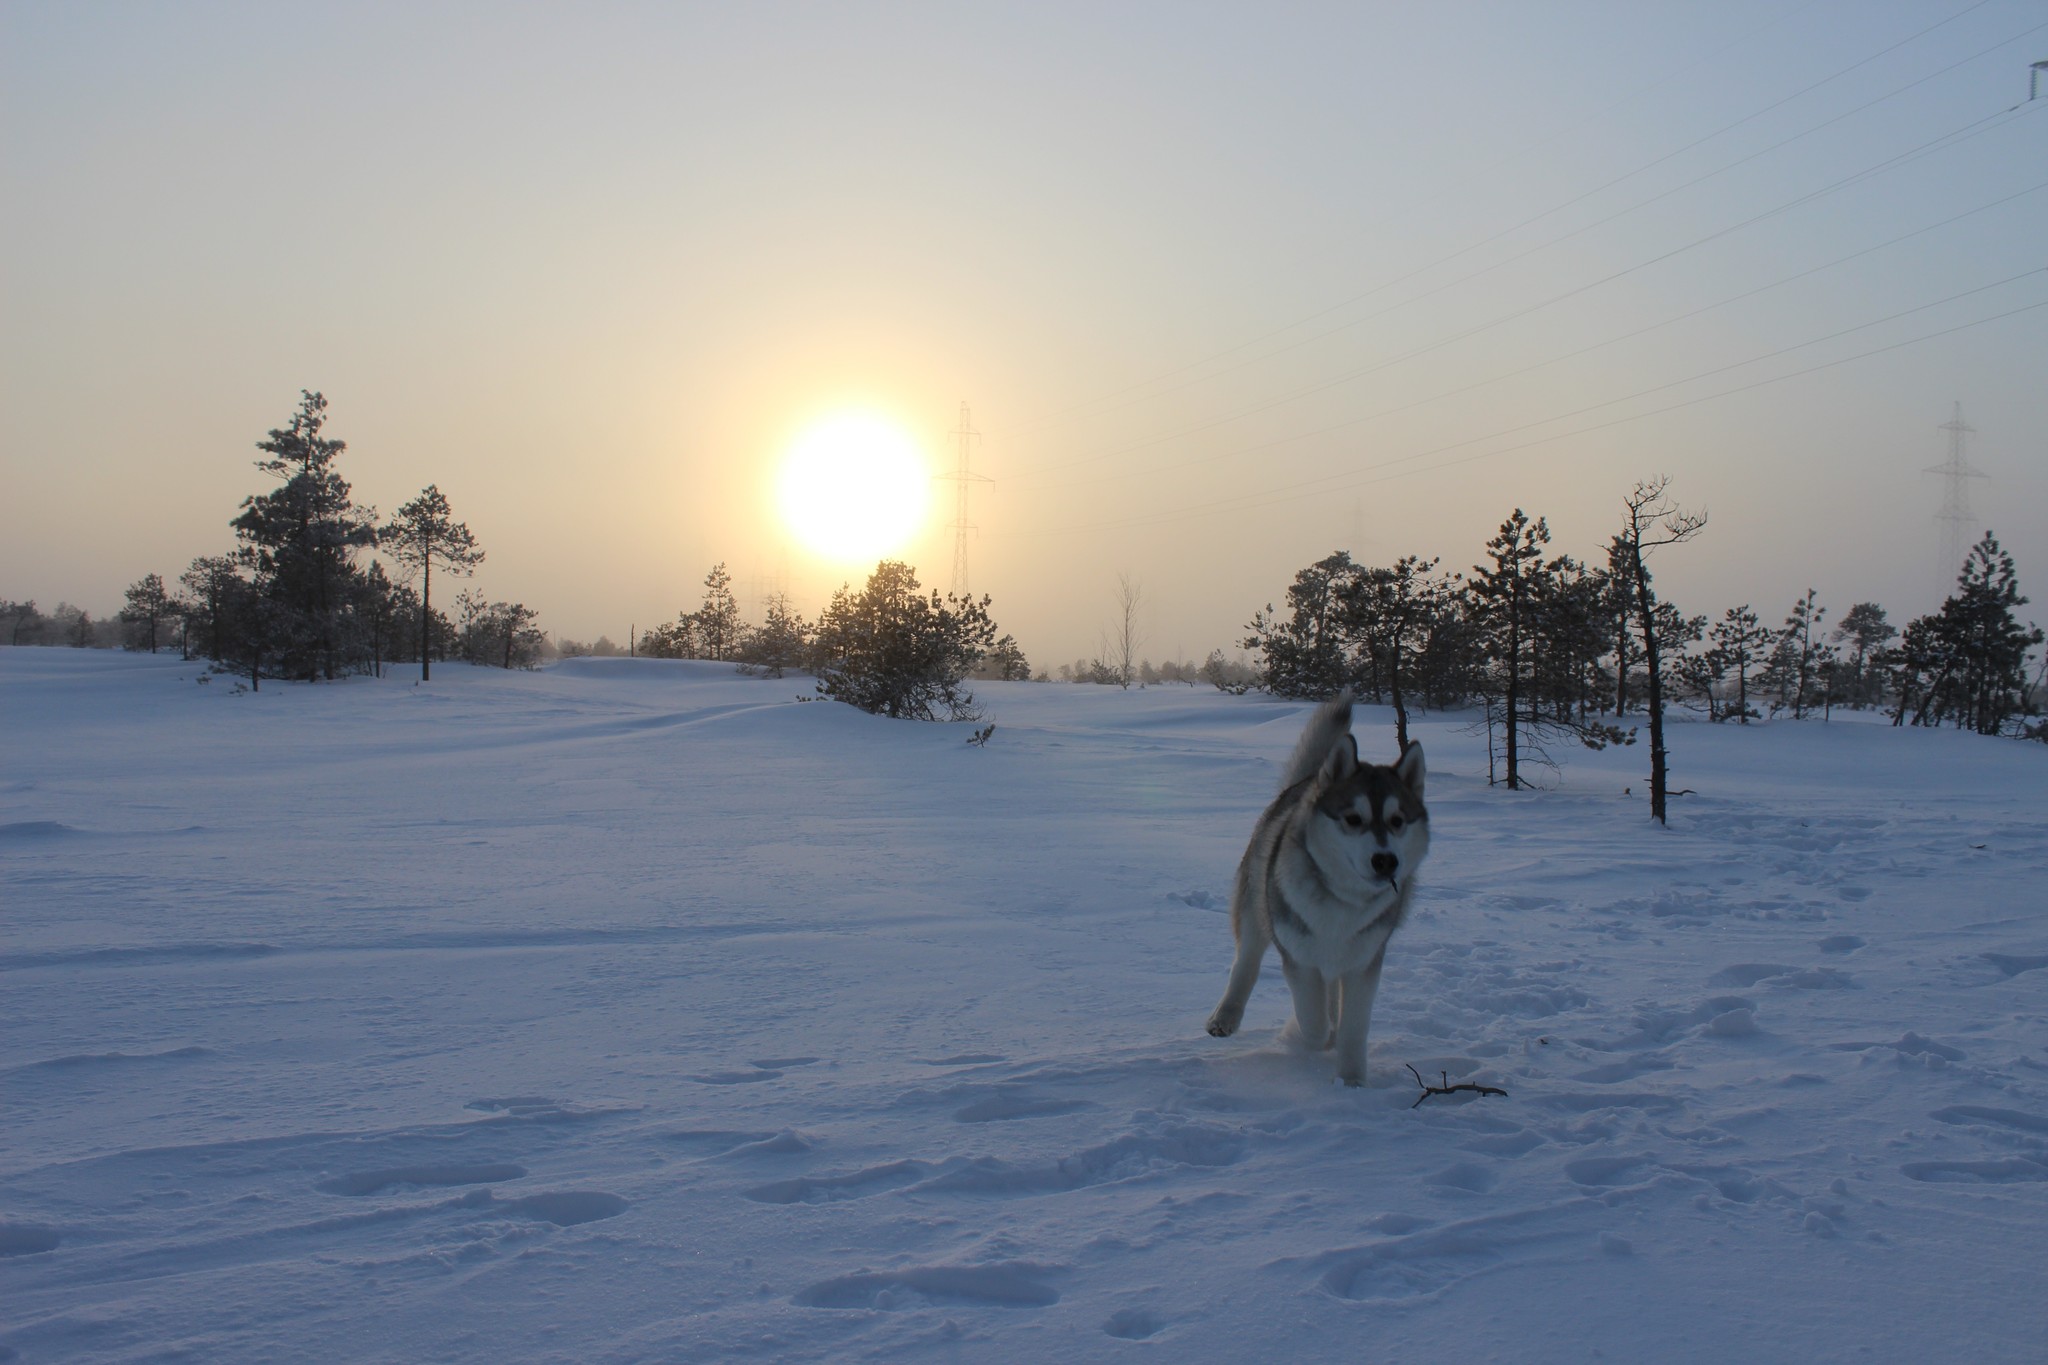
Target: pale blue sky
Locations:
point(1201, 270)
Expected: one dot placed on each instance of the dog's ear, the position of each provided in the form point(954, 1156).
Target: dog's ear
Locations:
point(1408, 767)
point(1340, 763)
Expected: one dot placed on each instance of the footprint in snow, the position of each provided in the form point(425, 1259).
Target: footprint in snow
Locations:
point(1134, 1324)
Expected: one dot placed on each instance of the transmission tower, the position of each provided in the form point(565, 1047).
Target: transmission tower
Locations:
point(964, 478)
point(1958, 522)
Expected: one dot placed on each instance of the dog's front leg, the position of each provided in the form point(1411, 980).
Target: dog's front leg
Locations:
point(1311, 1004)
point(1356, 1019)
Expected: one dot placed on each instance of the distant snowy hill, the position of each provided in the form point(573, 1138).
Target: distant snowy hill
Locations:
point(633, 1010)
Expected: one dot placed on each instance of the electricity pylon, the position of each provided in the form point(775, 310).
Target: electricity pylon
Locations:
point(964, 478)
point(1958, 522)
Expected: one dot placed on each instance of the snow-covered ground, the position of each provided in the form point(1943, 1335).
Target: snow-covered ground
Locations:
point(631, 1010)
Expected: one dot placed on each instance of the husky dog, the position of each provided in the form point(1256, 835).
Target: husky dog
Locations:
point(1327, 879)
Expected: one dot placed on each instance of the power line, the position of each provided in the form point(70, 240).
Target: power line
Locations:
point(1333, 483)
point(1601, 222)
point(1954, 136)
point(1348, 423)
point(1096, 405)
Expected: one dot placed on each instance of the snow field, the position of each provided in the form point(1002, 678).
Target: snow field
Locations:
point(633, 1010)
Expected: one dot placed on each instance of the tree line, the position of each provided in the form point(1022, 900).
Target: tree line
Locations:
point(303, 594)
point(1550, 646)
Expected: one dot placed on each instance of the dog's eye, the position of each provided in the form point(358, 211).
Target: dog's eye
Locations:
point(1395, 823)
point(1352, 820)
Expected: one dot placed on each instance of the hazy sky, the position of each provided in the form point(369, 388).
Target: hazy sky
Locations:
point(1227, 286)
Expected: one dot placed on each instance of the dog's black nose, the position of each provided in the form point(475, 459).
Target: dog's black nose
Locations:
point(1384, 864)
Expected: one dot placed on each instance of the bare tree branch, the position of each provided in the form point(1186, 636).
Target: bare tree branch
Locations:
point(1448, 1089)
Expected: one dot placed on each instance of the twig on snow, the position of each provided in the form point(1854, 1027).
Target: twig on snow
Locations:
point(1447, 1088)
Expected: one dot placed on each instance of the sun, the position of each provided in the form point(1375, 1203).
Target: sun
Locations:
point(854, 487)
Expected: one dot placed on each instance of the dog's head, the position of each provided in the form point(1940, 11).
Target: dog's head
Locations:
point(1371, 818)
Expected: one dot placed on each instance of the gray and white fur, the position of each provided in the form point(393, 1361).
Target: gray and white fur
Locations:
point(1327, 879)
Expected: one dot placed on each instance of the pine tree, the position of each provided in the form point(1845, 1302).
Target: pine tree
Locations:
point(1985, 643)
point(1308, 655)
point(1005, 662)
point(148, 607)
point(422, 535)
point(1864, 626)
point(207, 584)
point(22, 622)
point(890, 650)
point(719, 626)
point(302, 540)
point(1505, 595)
point(1738, 641)
point(1390, 611)
point(781, 641)
point(1801, 656)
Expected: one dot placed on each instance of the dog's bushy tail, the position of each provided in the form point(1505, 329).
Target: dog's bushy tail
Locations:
point(1330, 723)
